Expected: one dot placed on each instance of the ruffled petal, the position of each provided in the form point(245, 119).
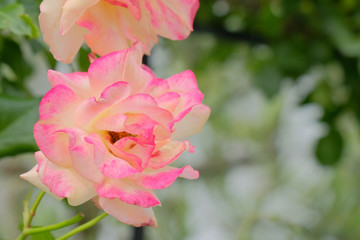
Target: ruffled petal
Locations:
point(128, 192)
point(142, 126)
point(32, 177)
point(144, 104)
point(185, 85)
point(157, 87)
point(114, 28)
point(172, 19)
point(168, 153)
point(187, 101)
point(164, 177)
point(53, 144)
point(89, 110)
point(133, 151)
point(72, 11)
point(64, 182)
point(77, 82)
point(115, 123)
point(63, 47)
point(133, 6)
point(82, 155)
point(168, 101)
point(182, 82)
point(119, 66)
point(192, 123)
point(58, 106)
point(127, 213)
point(107, 163)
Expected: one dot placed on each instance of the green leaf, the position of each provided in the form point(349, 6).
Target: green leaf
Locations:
point(42, 236)
point(329, 148)
point(14, 19)
point(83, 59)
point(34, 29)
point(17, 119)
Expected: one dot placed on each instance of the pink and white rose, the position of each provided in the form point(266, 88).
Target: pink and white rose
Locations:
point(110, 134)
point(112, 25)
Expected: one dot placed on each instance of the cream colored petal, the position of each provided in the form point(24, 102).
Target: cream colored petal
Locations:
point(72, 11)
point(64, 182)
point(127, 213)
point(192, 123)
point(172, 19)
point(33, 177)
point(113, 28)
point(63, 47)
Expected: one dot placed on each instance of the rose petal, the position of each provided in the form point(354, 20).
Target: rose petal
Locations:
point(113, 28)
point(168, 153)
point(133, 151)
point(142, 126)
point(64, 182)
point(127, 213)
point(188, 100)
point(89, 110)
point(168, 101)
point(72, 11)
point(63, 47)
point(164, 177)
point(53, 144)
point(119, 66)
point(107, 163)
point(105, 35)
point(115, 123)
point(157, 87)
point(133, 159)
point(172, 19)
point(58, 105)
point(77, 82)
point(133, 6)
point(144, 104)
point(128, 192)
point(192, 123)
point(185, 85)
point(82, 155)
point(32, 177)
point(182, 82)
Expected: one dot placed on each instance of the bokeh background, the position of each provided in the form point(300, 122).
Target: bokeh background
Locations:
point(279, 158)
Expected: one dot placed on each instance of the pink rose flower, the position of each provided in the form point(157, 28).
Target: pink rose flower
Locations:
point(112, 25)
point(111, 134)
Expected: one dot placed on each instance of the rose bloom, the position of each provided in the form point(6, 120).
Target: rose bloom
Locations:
point(111, 134)
point(112, 25)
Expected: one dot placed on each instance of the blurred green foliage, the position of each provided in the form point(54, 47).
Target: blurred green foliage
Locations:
point(285, 39)
point(17, 118)
point(14, 20)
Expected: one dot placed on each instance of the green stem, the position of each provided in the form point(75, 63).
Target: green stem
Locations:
point(83, 227)
point(27, 221)
point(21, 236)
point(53, 227)
point(33, 209)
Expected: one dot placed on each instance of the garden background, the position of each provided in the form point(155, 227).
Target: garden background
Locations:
point(279, 158)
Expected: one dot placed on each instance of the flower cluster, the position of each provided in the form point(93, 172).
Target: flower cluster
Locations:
point(110, 134)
